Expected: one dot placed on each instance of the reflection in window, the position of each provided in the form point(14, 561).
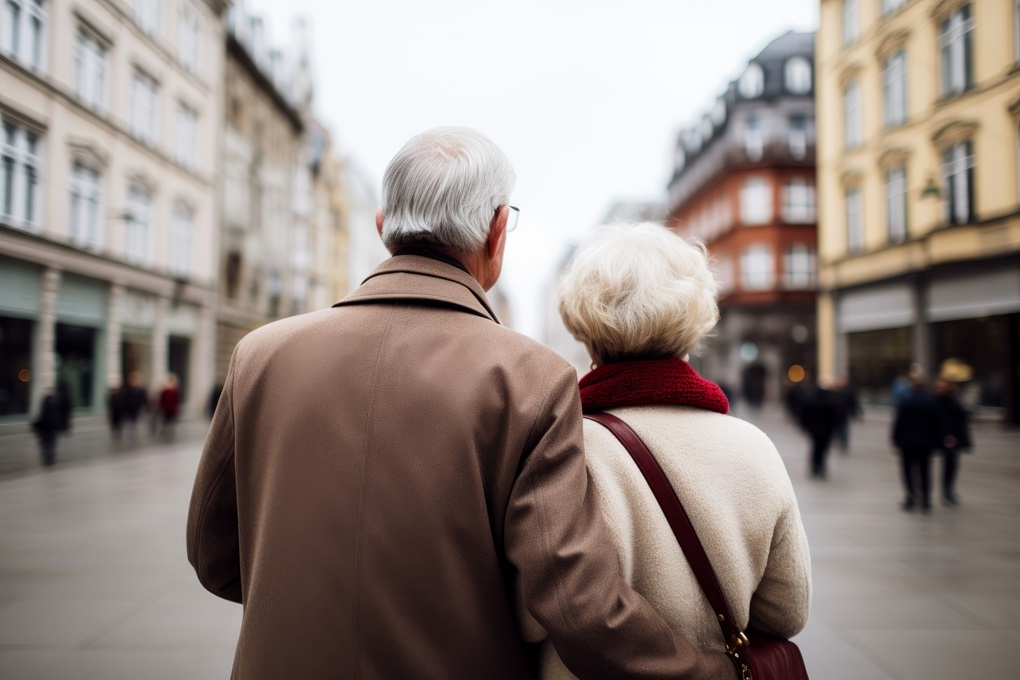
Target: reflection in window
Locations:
point(896, 204)
point(756, 201)
point(757, 270)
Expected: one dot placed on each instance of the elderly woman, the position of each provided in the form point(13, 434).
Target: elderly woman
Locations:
point(641, 299)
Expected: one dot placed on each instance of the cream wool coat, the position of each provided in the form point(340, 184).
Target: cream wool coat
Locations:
point(735, 488)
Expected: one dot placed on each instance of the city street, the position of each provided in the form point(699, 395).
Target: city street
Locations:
point(94, 583)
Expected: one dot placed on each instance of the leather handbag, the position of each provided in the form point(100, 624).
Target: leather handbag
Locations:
point(757, 657)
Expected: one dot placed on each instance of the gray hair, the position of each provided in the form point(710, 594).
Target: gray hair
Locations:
point(443, 189)
point(639, 292)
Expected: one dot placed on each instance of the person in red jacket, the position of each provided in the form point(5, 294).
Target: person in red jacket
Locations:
point(169, 405)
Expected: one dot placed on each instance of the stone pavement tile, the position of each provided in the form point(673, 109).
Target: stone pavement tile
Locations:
point(59, 622)
point(829, 657)
point(962, 655)
point(894, 613)
point(120, 583)
point(32, 665)
point(172, 624)
point(103, 665)
point(1002, 610)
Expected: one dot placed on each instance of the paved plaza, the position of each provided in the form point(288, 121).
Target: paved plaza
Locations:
point(94, 583)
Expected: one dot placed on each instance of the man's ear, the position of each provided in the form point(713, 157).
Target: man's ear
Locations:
point(497, 233)
point(379, 221)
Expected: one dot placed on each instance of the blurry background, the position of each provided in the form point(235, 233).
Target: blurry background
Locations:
point(176, 173)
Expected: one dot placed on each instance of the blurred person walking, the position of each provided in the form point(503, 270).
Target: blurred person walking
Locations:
point(115, 398)
point(169, 406)
point(819, 416)
point(848, 407)
point(135, 402)
point(917, 431)
point(53, 419)
point(956, 426)
point(641, 299)
point(381, 477)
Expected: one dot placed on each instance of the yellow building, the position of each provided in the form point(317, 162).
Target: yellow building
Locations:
point(918, 121)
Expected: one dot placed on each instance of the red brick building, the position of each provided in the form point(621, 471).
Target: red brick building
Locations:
point(744, 183)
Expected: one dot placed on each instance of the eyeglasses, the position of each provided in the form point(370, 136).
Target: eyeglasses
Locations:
point(511, 219)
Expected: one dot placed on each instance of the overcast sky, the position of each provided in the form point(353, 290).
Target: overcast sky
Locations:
point(585, 96)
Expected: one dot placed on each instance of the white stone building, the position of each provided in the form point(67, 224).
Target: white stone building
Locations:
point(111, 112)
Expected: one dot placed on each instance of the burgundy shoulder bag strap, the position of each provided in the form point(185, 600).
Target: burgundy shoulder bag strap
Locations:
point(767, 658)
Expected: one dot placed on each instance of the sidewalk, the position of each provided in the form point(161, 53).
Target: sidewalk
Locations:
point(901, 596)
point(95, 585)
point(89, 440)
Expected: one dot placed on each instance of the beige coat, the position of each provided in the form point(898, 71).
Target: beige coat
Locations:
point(736, 490)
point(379, 474)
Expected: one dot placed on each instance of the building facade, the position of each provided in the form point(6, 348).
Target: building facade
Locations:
point(108, 213)
point(919, 130)
point(265, 258)
point(744, 184)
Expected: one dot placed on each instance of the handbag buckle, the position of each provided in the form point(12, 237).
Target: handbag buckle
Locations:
point(737, 641)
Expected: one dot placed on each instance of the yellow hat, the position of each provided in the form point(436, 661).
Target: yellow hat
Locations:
point(954, 370)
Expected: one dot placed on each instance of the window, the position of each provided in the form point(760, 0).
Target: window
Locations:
point(757, 271)
point(752, 82)
point(894, 89)
point(890, 6)
point(180, 241)
point(853, 132)
point(138, 227)
point(87, 224)
point(144, 108)
point(896, 204)
point(756, 201)
point(184, 136)
point(799, 201)
point(20, 170)
point(147, 14)
point(724, 274)
point(23, 36)
point(799, 267)
point(797, 75)
point(958, 183)
point(754, 138)
point(854, 220)
point(90, 71)
point(850, 22)
point(681, 157)
point(797, 137)
point(957, 52)
point(187, 39)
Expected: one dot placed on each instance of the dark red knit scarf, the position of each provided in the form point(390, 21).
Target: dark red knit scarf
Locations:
point(652, 381)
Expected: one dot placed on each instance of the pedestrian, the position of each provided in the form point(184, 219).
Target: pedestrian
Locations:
point(115, 397)
point(794, 398)
point(917, 431)
point(633, 292)
point(848, 407)
point(818, 418)
point(214, 399)
point(380, 478)
point(169, 406)
point(136, 401)
point(53, 419)
point(956, 424)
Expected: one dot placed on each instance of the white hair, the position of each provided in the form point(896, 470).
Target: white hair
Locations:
point(443, 189)
point(639, 292)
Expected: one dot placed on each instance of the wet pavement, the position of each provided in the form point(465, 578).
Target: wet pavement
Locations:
point(94, 583)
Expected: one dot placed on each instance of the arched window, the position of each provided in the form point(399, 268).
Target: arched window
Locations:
point(797, 75)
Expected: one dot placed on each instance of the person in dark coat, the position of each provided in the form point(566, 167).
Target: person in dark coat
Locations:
point(956, 423)
point(135, 401)
point(848, 407)
point(54, 418)
point(115, 409)
point(917, 431)
point(818, 417)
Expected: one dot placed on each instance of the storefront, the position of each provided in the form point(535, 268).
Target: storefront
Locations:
point(80, 340)
point(878, 340)
point(20, 292)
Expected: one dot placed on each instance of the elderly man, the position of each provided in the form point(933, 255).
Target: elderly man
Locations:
point(380, 477)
